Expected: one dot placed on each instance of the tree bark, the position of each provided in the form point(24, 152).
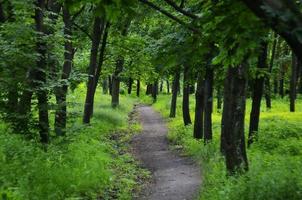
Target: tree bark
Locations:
point(293, 83)
point(257, 95)
point(199, 108)
point(149, 89)
point(168, 87)
point(105, 86)
point(155, 91)
point(186, 98)
point(41, 73)
point(61, 91)
point(130, 83)
point(96, 37)
point(175, 86)
point(281, 83)
point(138, 87)
point(219, 98)
point(208, 108)
point(161, 86)
point(232, 129)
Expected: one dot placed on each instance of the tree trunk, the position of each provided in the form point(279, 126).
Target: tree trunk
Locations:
point(267, 78)
point(149, 89)
point(138, 87)
point(208, 108)
point(115, 101)
point(161, 86)
point(219, 98)
point(199, 108)
point(232, 129)
point(175, 86)
point(155, 91)
point(186, 97)
point(41, 73)
point(61, 91)
point(168, 87)
point(257, 95)
point(130, 83)
point(96, 37)
point(293, 83)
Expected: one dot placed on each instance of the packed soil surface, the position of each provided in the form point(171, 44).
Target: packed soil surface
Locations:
point(174, 177)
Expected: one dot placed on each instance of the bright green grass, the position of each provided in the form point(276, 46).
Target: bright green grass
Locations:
point(87, 164)
point(275, 159)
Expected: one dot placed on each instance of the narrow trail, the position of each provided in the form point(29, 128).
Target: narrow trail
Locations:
point(174, 177)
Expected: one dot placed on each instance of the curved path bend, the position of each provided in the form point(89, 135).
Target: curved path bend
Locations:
point(174, 177)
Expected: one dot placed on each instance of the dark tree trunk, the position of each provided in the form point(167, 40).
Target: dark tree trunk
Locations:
point(293, 83)
point(155, 91)
point(275, 86)
point(149, 89)
point(208, 108)
point(219, 98)
point(175, 86)
point(41, 73)
point(116, 82)
point(130, 83)
point(61, 92)
point(96, 37)
point(186, 97)
point(110, 84)
point(199, 108)
point(105, 86)
point(138, 87)
point(192, 89)
point(267, 78)
point(232, 129)
point(257, 95)
point(168, 87)
point(161, 86)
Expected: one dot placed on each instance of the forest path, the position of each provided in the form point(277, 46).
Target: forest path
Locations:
point(173, 177)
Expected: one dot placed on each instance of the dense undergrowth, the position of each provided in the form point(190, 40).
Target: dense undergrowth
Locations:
point(275, 159)
point(91, 162)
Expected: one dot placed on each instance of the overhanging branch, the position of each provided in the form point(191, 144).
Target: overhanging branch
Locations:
point(179, 9)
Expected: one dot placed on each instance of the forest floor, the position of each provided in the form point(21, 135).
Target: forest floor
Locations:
point(173, 177)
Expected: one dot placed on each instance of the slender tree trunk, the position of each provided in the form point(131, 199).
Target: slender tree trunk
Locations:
point(130, 83)
point(186, 97)
point(293, 82)
point(138, 87)
point(161, 86)
point(175, 87)
point(149, 89)
point(168, 87)
point(219, 98)
point(61, 94)
point(257, 96)
point(96, 37)
point(116, 82)
point(199, 108)
point(155, 91)
point(267, 78)
point(208, 108)
point(232, 129)
point(41, 73)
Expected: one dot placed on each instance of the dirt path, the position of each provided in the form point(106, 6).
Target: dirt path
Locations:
point(174, 177)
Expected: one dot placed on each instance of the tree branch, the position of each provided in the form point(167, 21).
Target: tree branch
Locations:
point(179, 9)
point(82, 29)
point(155, 7)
